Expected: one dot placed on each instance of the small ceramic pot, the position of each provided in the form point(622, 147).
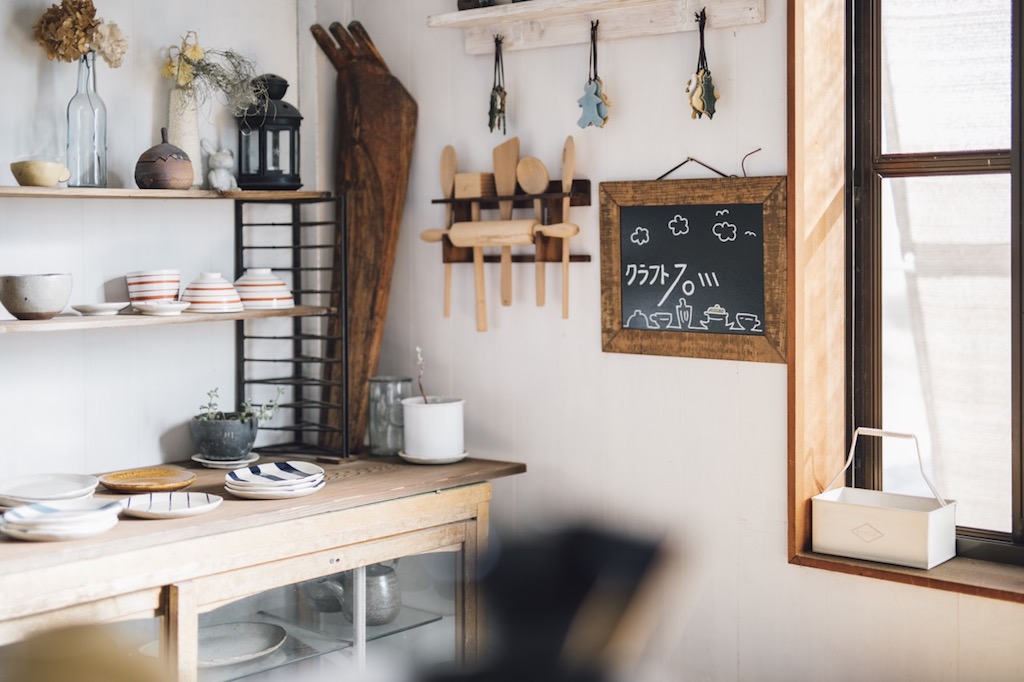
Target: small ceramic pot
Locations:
point(433, 431)
point(164, 166)
point(223, 439)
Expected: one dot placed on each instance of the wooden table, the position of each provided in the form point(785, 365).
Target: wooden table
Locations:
point(371, 510)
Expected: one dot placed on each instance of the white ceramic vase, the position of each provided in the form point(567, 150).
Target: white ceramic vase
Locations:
point(183, 130)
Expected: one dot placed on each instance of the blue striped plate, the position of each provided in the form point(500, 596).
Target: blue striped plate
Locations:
point(170, 505)
point(273, 474)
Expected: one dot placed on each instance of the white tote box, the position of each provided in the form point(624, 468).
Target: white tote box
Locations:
point(919, 532)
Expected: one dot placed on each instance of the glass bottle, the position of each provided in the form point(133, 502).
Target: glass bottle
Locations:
point(87, 129)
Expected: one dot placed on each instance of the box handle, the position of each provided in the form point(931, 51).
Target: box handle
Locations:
point(869, 431)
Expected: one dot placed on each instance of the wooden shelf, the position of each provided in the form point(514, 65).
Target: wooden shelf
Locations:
point(75, 322)
point(548, 23)
point(126, 193)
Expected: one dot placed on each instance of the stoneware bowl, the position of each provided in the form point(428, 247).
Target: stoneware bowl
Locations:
point(153, 286)
point(211, 293)
point(39, 173)
point(35, 297)
point(260, 289)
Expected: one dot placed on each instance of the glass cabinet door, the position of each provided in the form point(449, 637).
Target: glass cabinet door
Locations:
point(316, 627)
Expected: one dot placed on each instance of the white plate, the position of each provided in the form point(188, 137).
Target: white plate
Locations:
point(162, 308)
point(100, 308)
point(170, 505)
point(274, 494)
point(48, 535)
point(37, 487)
point(63, 512)
point(420, 460)
point(225, 463)
point(284, 473)
point(231, 643)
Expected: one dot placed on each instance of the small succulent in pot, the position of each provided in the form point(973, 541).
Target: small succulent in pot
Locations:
point(228, 436)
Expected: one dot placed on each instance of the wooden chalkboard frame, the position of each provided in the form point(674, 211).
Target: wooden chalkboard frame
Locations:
point(770, 193)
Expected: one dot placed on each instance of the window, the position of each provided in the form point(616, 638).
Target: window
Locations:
point(935, 339)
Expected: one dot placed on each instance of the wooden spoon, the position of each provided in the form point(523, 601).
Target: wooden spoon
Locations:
point(506, 156)
point(568, 168)
point(533, 178)
point(448, 165)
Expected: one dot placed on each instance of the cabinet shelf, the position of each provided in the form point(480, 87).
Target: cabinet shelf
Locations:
point(547, 23)
point(71, 322)
point(126, 193)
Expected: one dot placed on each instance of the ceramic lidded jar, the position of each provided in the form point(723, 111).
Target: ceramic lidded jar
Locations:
point(164, 167)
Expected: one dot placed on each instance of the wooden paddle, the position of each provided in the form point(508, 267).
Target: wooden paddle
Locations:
point(448, 166)
point(533, 178)
point(376, 127)
point(506, 156)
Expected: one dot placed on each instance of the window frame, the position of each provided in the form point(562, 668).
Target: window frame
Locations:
point(867, 167)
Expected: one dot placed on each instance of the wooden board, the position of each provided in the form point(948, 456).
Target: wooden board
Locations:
point(817, 254)
point(376, 126)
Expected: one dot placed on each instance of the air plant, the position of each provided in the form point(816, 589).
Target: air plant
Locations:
point(421, 365)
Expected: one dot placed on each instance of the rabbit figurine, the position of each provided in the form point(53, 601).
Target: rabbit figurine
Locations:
point(221, 162)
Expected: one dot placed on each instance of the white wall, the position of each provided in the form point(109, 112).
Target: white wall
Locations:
point(694, 449)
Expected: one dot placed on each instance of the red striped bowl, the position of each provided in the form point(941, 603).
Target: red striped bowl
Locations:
point(211, 293)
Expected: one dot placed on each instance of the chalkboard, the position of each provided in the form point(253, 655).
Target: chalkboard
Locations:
point(695, 268)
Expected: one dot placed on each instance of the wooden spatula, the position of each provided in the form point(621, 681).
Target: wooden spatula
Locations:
point(506, 156)
point(448, 165)
point(533, 178)
point(568, 168)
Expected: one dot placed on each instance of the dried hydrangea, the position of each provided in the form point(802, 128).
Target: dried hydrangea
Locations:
point(202, 73)
point(70, 30)
point(110, 43)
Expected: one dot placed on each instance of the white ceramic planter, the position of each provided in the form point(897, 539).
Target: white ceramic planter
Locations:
point(434, 431)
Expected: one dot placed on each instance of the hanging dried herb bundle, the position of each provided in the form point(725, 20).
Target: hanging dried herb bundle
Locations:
point(71, 29)
point(204, 73)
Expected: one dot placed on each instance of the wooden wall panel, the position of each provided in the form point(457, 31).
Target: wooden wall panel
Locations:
point(817, 163)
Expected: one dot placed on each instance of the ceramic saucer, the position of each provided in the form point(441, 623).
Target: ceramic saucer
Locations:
point(225, 463)
point(100, 308)
point(162, 308)
point(421, 460)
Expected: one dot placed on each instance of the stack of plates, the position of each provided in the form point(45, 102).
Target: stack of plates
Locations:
point(275, 480)
point(60, 519)
point(46, 487)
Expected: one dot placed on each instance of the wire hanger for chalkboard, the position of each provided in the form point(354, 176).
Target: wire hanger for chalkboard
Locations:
point(688, 159)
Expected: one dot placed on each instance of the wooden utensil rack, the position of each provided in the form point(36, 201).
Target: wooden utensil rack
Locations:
point(546, 249)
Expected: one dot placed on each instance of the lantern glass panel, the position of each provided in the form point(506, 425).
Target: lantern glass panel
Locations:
point(250, 153)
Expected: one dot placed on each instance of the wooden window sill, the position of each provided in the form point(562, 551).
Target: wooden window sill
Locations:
point(965, 576)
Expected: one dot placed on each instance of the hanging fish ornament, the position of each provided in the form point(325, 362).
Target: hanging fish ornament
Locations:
point(701, 89)
point(594, 102)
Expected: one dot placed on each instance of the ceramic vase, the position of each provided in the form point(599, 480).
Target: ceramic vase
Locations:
point(183, 129)
point(87, 129)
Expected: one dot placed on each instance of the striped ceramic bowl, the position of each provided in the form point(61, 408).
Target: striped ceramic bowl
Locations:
point(211, 293)
point(153, 286)
point(260, 289)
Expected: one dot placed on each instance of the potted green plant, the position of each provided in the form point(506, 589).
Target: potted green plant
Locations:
point(228, 436)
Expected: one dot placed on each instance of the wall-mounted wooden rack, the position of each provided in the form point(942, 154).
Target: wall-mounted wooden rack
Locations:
point(548, 23)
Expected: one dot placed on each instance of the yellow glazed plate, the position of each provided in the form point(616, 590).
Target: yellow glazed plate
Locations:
point(148, 479)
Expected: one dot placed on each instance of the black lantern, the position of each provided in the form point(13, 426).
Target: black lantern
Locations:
point(268, 140)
